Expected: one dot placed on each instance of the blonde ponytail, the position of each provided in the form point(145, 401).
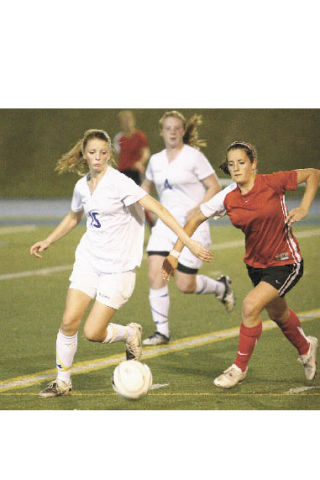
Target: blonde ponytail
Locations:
point(73, 161)
point(191, 137)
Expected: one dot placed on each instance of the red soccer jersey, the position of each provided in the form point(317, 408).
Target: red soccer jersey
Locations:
point(130, 149)
point(261, 215)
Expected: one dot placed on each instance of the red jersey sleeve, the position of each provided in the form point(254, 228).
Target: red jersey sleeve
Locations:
point(282, 181)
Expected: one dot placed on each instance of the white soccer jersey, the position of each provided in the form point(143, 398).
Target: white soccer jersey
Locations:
point(179, 187)
point(114, 238)
point(178, 182)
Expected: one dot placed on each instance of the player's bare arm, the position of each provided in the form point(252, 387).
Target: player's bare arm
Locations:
point(170, 263)
point(311, 177)
point(196, 248)
point(140, 164)
point(69, 222)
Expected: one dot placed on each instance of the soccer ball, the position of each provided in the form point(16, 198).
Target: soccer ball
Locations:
point(132, 379)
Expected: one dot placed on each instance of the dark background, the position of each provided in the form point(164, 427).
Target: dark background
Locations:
point(32, 140)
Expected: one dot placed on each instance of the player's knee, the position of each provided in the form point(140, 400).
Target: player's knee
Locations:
point(185, 287)
point(89, 333)
point(69, 324)
point(92, 334)
point(250, 309)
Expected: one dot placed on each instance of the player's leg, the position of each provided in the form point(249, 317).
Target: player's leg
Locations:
point(77, 303)
point(284, 278)
point(159, 300)
point(189, 281)
point(114, 291)
point(250, 331)
point(290, 325)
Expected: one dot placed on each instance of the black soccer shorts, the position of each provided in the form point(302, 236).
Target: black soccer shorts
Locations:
point(282, 278)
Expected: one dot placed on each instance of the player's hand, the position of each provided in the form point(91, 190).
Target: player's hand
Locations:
point(169, 267)
point(199, 251)
point(295, 215)
point(39, 247)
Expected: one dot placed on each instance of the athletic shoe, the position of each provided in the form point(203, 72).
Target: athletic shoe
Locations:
point(227, 298)
point(133, 343)
point(230, 377)
point(156, 338)
point(309, 360)
point(56, 389)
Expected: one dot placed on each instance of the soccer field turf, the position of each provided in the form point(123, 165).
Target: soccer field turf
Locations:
point(204, 336)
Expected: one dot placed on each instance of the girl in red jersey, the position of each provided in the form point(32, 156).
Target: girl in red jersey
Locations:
point(255, 203)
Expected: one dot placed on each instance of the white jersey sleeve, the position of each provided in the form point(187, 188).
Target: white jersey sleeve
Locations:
point(215, 206)
point(203, 167)
point(129, 191)
point(76, 202)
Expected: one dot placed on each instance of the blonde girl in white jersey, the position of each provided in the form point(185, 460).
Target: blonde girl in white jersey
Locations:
point(183, 178)
point(107, 254)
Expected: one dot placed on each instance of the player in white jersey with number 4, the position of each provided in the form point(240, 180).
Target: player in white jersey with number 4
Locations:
point(107, 254)
point(183, 178)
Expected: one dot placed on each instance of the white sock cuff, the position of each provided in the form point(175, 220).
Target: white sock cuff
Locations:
point(111, 333)
point(67, 339)
point(116, 333)
point(199, 283)
point(205, 284)
point(159, 292)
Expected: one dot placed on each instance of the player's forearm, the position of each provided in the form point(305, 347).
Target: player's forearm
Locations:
point(145, 155)
point(65, 226)
point(171, 222)
point(211, 191)
point(312, 184)
point(155, 207)
point(190, 227)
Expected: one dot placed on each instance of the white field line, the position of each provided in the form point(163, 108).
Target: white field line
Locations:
point(156, 386)
point(301, 389)
point(150, 352)
point(17, 229)
point(31, 273)
point(62, 268)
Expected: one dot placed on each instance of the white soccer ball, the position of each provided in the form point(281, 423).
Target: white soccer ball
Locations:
point(132, 379)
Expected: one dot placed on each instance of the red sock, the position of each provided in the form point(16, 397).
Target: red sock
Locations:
point(294, 333)
point(247, 341)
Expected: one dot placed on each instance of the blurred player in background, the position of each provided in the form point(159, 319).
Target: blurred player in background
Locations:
point(107, 255)
point(255, 203)
point(183, 178)
point(133, 150)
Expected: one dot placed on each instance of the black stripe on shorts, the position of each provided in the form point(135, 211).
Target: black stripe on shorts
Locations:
point(181, 268)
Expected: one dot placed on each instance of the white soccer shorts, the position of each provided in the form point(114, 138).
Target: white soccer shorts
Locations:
point(110, 289)
point(163, 239)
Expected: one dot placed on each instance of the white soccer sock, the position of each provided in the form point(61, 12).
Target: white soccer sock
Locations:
point(159, 302)
point(209, 285)
point(117, 333)
point(66, 348)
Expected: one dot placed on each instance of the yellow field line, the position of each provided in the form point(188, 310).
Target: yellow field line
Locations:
point(78, 368)
point(173, 394)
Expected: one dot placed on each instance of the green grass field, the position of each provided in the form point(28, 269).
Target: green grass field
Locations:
point(32, 305)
